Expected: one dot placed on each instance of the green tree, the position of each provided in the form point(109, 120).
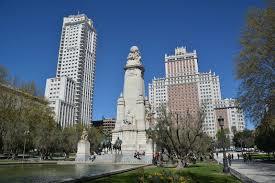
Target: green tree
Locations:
point(12, 127)
point(30, 87)
point(71, 135)
point(21, 113)
point(223, 139)
point(69, 138)
point(265, 134)
point(244, 139)
point(95, 136)
point(3, 74)
point(255, 65)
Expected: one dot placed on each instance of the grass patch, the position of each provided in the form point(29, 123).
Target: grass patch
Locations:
point(263, 156)
point(199, 173)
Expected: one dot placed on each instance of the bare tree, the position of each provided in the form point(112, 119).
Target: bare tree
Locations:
point(255, 64)
point(181, 136)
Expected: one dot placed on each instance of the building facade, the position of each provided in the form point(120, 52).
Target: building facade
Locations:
point(76, 60)
point(107, 124)
point(184, 89)
point(60, 93)
point(232, 114)
point(157, 94)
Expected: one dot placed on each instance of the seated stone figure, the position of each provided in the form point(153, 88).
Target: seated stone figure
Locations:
point(83, 147)
point(84, 135)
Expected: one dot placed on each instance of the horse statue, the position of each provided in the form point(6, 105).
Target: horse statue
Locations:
point(106, 145)
point(117, 145)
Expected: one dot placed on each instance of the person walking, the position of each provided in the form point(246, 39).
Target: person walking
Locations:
point(238, 156)
point(232, 156)
point(217, 154)
point(244, 157)
point(229, 159)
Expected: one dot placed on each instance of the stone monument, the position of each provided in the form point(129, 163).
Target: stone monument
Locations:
point(132, 107)
point(83, 147)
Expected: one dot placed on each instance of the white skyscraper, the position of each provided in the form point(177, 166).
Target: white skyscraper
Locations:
point(157, 94)
point(76, 60)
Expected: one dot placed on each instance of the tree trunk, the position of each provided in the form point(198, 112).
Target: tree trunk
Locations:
point(181, 164)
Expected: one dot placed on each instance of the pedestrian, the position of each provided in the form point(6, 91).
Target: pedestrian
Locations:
point(244, 157)
point(217, 154)
point(238, 156)
point(232, 156)
point(138, 155)
point(229, 159)
point(249, 157)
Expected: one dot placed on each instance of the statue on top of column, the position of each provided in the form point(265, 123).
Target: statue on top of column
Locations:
point(134, 54)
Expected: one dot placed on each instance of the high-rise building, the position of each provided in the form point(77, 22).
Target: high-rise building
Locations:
point(157, 94)
point(76, 61)
point(61, 92)
point(184, 89)
point(182, 63)
point(181, 71)
point(209, 92)
point(232, 114)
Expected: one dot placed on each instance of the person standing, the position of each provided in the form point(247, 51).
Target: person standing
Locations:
point(238, 156)
point(249, 157)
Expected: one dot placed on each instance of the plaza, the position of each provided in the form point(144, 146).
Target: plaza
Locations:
point(137, 91)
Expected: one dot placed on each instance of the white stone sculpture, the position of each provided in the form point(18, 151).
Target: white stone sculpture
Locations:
point(83, 148)
point(131, 106)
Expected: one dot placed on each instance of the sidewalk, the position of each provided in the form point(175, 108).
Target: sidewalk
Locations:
point(257, 171)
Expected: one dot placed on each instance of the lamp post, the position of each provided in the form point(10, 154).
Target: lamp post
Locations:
point(225, 163)
point(149, 119)
point(25, 134)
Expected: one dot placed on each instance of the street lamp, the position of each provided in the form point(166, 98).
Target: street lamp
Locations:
point(225, 163)
point(25, 134)
point(149, 119)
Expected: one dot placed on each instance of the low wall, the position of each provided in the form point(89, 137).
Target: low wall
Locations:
point(238, 175)
point(26, 162)
point(97, 176)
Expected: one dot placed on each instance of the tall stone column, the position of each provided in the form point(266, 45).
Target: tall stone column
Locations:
point(140, 113)
point(131, 123)
point(120, 112)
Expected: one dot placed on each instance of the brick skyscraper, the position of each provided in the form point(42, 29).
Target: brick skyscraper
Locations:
point(184, 88)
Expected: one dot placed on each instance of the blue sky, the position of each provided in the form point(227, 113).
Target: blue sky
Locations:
point(30, 34)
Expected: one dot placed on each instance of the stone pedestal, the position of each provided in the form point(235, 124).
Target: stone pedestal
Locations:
point(132, 111)
point(83, 151)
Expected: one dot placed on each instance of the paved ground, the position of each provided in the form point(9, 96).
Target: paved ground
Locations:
point(258, 171)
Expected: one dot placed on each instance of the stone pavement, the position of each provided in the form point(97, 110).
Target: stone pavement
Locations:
point(255, 170)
